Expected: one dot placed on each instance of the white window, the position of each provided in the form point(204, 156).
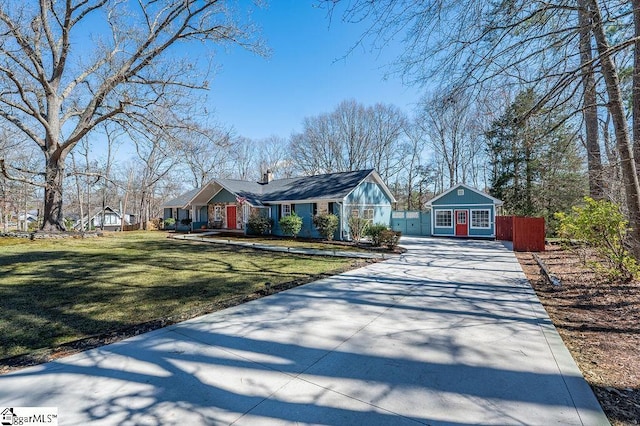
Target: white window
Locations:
point(368, 215)
point(355, 213)
point(286, 210)
point(113, 219)
point(460, 192)
point(480, 219)
point(443, 219)
point(217, 213)
point(397, 215)
point(413, 215)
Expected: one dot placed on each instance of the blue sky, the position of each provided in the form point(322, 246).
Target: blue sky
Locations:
point(305, 75)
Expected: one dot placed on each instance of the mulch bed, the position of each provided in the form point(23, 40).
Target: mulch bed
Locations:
point(599, 321)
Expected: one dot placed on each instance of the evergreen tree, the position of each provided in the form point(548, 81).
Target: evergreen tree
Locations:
point(536, 167)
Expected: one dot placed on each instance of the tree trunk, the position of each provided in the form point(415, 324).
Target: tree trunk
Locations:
point(590, 109)
point(636, 82)
point(54, 175)
point(623, 142)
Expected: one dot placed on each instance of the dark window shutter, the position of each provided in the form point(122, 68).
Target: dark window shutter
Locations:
point(293, 208)
point(315, 209)
point(331, 208)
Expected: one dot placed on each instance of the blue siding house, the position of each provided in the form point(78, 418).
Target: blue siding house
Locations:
point(228, 203)
point(463, 211)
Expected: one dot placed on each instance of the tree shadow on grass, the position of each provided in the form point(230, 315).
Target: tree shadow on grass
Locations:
point(49, 297)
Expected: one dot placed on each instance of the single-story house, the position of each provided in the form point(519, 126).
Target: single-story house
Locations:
point(112, 220)
point(461, 211)
point(228, 203)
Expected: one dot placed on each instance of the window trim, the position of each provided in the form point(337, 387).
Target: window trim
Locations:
point(369, 219)
point(472, 226)
point(217, 213)
point(435, 218)
point(282, 210)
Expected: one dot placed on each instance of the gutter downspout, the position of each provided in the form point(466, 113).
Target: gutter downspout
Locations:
point(341, 220)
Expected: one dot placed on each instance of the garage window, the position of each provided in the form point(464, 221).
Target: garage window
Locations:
point(444, 219)
point(480, 219)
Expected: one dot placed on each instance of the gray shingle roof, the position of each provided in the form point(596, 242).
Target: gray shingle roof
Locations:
point(331, 186)
point(182, 200)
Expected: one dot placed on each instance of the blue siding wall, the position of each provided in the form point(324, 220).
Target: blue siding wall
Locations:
point(469, 197)
point(305, 211)
point(473, 232)
point(368, 195)
point(275, 215)
point(223, 196)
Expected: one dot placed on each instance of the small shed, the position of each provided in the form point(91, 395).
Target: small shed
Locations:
point(465, 212)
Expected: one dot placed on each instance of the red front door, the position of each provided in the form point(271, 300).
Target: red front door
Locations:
point(231, 217)
point(461, 223)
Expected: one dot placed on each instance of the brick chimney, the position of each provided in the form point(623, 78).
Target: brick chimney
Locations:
point(267, 177)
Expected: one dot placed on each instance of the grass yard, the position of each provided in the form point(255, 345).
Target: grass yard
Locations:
point(56, 291)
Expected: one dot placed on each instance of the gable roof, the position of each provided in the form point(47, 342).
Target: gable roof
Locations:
point(330, 186)
point(462, 185)
point(182, 200)
point(108, 210)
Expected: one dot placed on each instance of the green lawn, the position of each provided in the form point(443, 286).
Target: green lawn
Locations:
point(56, 291)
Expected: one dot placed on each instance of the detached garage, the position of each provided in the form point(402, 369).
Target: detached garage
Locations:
point(463, 211)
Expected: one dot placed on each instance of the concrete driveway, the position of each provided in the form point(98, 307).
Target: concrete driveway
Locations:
point(449, 334)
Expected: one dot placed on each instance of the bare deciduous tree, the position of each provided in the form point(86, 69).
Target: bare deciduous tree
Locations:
point(352, 137)
point(55, 90)
point(204, 152)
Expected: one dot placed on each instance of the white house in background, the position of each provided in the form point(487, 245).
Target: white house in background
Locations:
point(112, 220)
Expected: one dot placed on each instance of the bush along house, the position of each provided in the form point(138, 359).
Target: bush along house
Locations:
point(228, 203)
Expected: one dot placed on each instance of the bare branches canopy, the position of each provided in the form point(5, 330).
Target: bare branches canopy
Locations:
point(66, 67)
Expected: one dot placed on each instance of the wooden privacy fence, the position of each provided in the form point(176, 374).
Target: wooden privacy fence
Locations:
point(152, 225)
point(134, 227)
point(527, 233)
point(504, 228)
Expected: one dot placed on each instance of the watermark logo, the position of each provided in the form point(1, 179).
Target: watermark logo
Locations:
point(29, 416)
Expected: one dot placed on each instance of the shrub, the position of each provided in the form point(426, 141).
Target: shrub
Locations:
point(375, 232)
point(600, 225)
point(186, 221)
point(154, 224)
point(357, 227)
point(389, 238)
point(291, 225)
point(68, 224)
point(326, 224)
point(169, 223)
point(259, 225)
